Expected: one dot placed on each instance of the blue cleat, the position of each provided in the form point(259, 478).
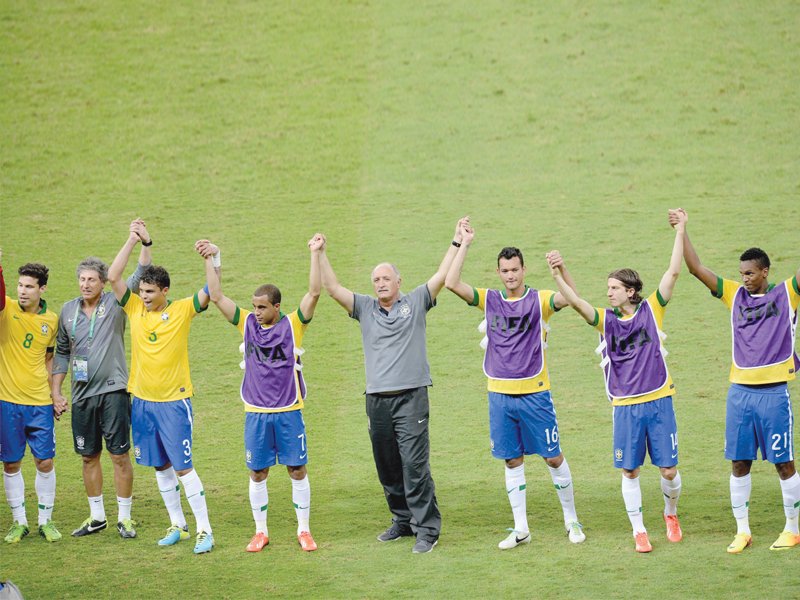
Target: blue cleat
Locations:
point(205, 542)
point(174, 535)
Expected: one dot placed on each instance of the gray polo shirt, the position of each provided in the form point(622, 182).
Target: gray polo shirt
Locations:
point(395, 357)
point(105, 356)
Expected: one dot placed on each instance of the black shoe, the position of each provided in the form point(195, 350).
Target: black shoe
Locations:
point(395, 532)
point(423, 546)
point(89, 526)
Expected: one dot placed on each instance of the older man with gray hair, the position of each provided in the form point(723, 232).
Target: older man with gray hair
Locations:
point(90, 341)
point(398, 375)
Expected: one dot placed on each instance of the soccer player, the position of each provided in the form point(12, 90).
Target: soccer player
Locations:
point(398, 376)
point(758, 411)
point(522, 418)
point(90, 338)
point(161, 414)
point(638, 383)
point(27, 339)
point(273, 390)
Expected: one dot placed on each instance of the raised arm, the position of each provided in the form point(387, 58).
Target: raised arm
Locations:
point(667, 283)
point(335, 290)
point(581, 306)
point(453, 280)
point(120, 262)
point(211, 255)
point(696, 268)
point(557, 261)
point(309, 302)
point(436, 282)
point(145, 255)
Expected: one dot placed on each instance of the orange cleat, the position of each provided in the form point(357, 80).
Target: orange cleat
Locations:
point(674, 533)
point(642, 542)
point(307, 543)
point(258, 542)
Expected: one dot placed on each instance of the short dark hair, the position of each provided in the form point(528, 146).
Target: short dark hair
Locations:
point(757, 255)
point(630, 279)
point(272, 293)
point(155, 276)
point(36, 270)
point(510, 252)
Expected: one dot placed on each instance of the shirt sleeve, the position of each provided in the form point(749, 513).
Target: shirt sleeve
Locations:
point(794, 292)
point(240, 319)
point(359, 305)
point(422, 296)
point(726, 291)
point(654, 300)
point(480, 298)
point(298, 326)
point(546, 304)
point(61, 360)
point(136, 276)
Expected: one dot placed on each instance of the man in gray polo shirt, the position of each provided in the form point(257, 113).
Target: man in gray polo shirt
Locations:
point(398, 376)
point(90, 340)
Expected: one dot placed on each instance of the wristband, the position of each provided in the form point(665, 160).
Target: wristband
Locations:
point(147, 244)
point(456, 244)
point(216, 260)
point(205, 289)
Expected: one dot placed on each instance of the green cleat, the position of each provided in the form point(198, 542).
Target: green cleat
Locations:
point(49, 532)
point(16, 533)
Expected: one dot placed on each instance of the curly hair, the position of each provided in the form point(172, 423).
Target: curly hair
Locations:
point(36, 270)
point(155, 276)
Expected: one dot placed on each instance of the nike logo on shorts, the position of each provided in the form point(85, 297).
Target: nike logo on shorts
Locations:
point(302, 456)
point(551, 449)
point(421, 420)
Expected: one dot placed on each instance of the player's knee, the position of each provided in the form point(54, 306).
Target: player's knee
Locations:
point(554, 461)
point(669, 473)
point(513, 463)
point(785, 470)
point(121, 460)
point(91, 459)
point(297, 472)
point(44, 465)
point(12, 468)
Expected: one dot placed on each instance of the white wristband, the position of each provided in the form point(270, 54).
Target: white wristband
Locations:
point(216, 260)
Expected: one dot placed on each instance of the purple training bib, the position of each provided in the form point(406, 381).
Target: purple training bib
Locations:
point(269, 365)
point(763, 328)
point(514, 332)
point(633, 361)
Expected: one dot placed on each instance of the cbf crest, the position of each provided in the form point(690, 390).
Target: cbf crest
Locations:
point(137, 452)
point(101, 310)
point(164, 317)
point(405, 311)
point(618, 453)
point(248, 456)
point(45, 329)
point(80, 442)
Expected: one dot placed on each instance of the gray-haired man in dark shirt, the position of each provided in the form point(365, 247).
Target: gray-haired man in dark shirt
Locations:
point(398, 376)
point(90, 341)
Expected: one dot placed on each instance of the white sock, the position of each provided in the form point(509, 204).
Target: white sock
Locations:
point(672, 491)
point(259, 501)
point(171, 493)
point(46, 493)
point(740, 502)
point(196, 495)
point(515, 486)
point(97, 509)
point(124, 508)
point(301, 497)
point(791, 501)
point(14, 485)
point(562, 481)
point(632, 495)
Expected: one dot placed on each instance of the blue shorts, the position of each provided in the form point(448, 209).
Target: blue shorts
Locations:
point(646, 427)
point(21, 423)
point(271, 438)
point(759, 417)
point(162, 433)
point(523, 424)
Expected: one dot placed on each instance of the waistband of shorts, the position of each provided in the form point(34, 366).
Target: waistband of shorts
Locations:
point(763, 388)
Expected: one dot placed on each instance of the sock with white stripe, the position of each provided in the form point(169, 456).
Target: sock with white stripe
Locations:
point(301, 497)
point(259, 503)
point(14, 485)
point(632, 495)
point(740, 502)
point(562, 481)
point(171, 493)
point(672, 491)
point(515, 487)
point(46, 493)
point(196, 495)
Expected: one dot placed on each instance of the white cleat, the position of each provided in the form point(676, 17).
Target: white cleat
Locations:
point(514, 539)
point(575, 533)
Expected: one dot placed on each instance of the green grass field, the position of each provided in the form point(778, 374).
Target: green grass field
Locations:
point(569, 125)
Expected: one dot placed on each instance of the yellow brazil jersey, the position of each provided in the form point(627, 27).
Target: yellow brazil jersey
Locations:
point(25, 340)
point(726, 290)
point(299, 326)
point(160, 348)
point(657, 306)
point(541, 382)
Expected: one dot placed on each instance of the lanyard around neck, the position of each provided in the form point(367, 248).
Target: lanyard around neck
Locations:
point(91, 322)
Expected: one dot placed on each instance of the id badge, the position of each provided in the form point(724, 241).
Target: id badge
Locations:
point(80, 369)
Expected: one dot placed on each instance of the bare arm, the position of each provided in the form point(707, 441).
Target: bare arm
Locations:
point(60, 404)
point(436, 282)
point(453, 280)
point(2, 284)
point(309, 302)
point(225, 305)
point(667, 283)
point(56, 383)
point(555, 259)
point(145, 255)
point(696, 268)
point(581, 306)
point(335, 290)
point(117, 267)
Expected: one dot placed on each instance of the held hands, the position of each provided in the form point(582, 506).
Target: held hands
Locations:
point(60, 406)
point(463, 222)
point(317, 243)
point(140, 229)
point(677, 218)
point(466, 231)
point(555, 261)
point(206, 248)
